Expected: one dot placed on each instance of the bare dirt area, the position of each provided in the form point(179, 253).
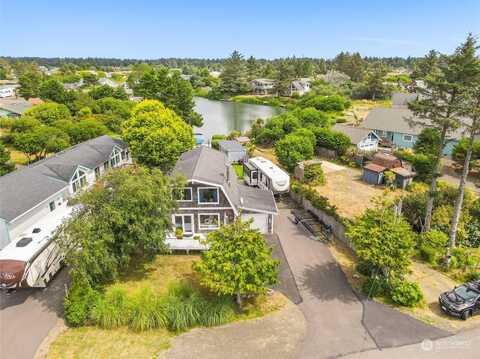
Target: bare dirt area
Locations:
point(268, 153)
point(345, 189)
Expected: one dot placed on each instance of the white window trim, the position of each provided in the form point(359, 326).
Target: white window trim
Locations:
point(79, 178)
point(208, 228)
point(198, 195)
point(191, 195)
point(410, 140)
point(183, 226)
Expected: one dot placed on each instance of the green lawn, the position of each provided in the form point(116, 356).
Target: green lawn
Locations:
point(93, 342)
point(238, 170)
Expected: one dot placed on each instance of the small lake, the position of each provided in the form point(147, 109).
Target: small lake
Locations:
point(222, 117)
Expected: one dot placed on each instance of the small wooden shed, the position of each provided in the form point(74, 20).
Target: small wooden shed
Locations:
point(403, 177)
point(373, 173)
point(234, 151)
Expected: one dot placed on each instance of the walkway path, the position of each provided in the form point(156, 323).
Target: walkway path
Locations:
point(273, 337)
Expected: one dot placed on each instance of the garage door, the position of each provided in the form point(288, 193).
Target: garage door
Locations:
point(259, 221)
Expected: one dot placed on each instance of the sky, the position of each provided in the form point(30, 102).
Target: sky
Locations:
point(144, 29)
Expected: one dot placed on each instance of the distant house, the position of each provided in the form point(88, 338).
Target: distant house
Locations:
point(8, 91)
point(73, 85)
point(13, 108)
point(363, 138)
point(262, 86)
point(107, 82)
point(213, 196)
point(30, 197)
point(393, 124)
point(299, 86)
point(234, 151)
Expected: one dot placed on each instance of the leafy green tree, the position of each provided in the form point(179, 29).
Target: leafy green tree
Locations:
point(29, 84)
point(238, 263)
point(253, 68)
point(459, 153)
point(157, 136)
point(332, 140)
point(333, 103)
point(440, 103)
point(52, 89)
point(233, 79)
point(89, 78)
point(284, 75)
point(172, 91)
point(351, 64)
point(48, 113)
point(5, 165)
point(309, 116)
point(102, 91)
point(428, 141)
point(40, 141)
point(115, 111)
point(85, 129)
point(384, 241)
point(124, 218)
point(293, 149)
point(375, 83)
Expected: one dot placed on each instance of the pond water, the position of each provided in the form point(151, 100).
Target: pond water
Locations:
point(222, 117)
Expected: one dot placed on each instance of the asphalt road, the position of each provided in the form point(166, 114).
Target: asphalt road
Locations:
point(26, 317)
point(338, 321)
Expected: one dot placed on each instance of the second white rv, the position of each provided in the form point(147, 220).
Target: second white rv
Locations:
point(259, 171)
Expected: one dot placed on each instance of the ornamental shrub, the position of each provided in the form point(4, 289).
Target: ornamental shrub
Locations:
point(332, 140)
point(78, 302)
point(430, 254)
point(406, 293)
point(293, 149)
point(313, 174)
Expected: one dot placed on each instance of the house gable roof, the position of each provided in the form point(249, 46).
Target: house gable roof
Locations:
point(356, 134)
point(17, 106)
point(231, 145)
point(207, 165)
point(25, 188)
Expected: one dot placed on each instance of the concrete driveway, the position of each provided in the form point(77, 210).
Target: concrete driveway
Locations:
point(26, 317)
point(338, 321)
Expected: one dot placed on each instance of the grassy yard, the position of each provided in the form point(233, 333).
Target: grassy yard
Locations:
point(345, 189)
point(96, 343)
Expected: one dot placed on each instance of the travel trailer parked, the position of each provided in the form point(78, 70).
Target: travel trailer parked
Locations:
point(263, 173)
point(33, 258)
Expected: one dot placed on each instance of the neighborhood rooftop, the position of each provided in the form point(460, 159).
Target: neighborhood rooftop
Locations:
point(231, 145)
point(356, 134)
point(17, 106)
point(49, 176)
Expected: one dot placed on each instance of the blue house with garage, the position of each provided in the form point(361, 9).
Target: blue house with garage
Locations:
point(393, 125)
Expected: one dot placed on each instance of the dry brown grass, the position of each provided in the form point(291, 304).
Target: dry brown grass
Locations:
point(266, 152)
point(345, 189)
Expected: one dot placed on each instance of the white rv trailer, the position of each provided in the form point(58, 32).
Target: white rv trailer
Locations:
point(33, 258)
point(259, 171)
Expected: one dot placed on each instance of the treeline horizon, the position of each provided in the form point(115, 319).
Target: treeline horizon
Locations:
point(99, 62)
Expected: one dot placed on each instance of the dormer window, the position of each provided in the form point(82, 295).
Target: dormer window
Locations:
point(79, 180)
point(115, 157)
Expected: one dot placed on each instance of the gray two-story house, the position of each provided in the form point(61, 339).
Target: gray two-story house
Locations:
point(213, 196)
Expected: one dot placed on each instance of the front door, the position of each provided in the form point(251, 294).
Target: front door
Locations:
point(185, 222)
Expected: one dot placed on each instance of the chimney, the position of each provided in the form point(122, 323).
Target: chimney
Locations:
point(227, 173)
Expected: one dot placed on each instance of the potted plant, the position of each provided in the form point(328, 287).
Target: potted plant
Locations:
point(179, 233)
point(196, 237)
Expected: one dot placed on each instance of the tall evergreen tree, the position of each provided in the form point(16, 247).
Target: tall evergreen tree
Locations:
point(233, 79)
point(440, 103)
point(472, 111)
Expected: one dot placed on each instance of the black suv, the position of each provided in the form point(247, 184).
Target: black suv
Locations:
point(463, 301)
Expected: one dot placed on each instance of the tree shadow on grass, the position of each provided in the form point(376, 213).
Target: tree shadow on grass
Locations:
point(327, 282)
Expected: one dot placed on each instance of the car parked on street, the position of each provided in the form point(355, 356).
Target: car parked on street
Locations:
point(463, 301)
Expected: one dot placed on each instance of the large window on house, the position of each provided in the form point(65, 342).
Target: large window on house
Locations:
point(185, 195)
point(407, 138)
point(208, 221)
point(184, 222)
point(115, 157)
point(208, 195)
point(79, 180)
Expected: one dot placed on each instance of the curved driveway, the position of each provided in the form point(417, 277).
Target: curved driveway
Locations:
point(339, 322)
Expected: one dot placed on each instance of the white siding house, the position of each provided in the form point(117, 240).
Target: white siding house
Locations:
point(364, 139)
point(31, 194)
